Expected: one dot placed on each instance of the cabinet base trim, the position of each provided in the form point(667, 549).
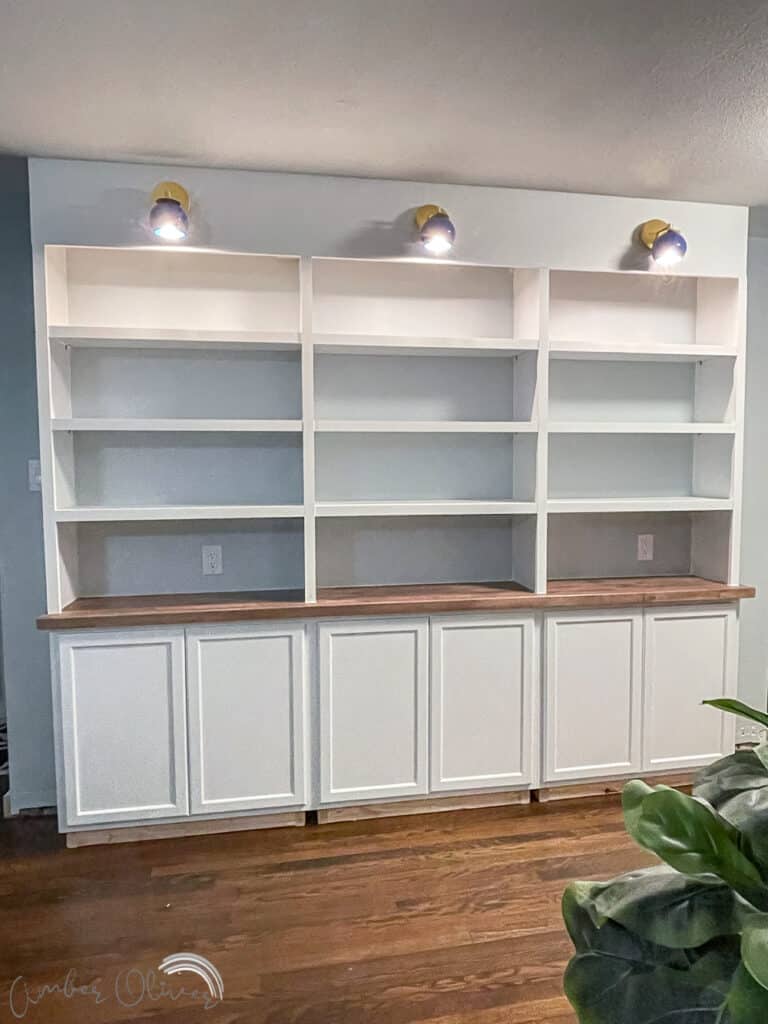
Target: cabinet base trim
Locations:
point(430, 805)
point(173, 830)
point(608, 787)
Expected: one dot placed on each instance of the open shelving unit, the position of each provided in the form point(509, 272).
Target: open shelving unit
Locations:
point(362, 423)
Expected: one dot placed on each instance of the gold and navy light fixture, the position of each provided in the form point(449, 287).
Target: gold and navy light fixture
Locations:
point(436, 230)
point(169, 216)
point(667, 244)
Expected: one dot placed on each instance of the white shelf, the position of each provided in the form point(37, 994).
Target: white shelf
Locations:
point(426, 426)
point(397, 344)
point(425, 508)
point(564, 349)
point(144, 337)
point(178, 425)
point(592, 427)
point(687, 504)
point(95, 514)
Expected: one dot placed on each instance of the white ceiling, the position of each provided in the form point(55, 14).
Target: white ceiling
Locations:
point(653, 97)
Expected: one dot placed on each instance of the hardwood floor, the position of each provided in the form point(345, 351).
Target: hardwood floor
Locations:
point(447, 918)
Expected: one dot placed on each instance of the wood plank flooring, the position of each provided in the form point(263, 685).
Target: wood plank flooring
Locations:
point(445, 918)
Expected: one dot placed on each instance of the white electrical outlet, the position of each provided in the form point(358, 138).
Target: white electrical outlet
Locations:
point(749, 732)
point(645, 547)
point(212, 563)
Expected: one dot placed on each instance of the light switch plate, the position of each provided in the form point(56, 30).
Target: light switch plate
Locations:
point(33, 474)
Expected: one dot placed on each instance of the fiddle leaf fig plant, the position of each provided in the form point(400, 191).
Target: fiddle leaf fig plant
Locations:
point(685, 942)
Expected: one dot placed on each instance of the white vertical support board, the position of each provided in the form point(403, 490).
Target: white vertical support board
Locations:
point(51, 299)
point(308, 429)
point(737, 476)
point(542, 443)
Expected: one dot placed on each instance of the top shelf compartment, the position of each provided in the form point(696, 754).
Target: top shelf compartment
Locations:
point(642, 314)
point(130, 292)
point(365, 302)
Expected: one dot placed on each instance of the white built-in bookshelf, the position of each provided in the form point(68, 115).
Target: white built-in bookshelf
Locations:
point(336, 422)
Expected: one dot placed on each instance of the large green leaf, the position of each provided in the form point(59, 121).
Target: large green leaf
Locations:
point(663, 906)
point(689, 835)
point(737, 707)
point(617, 977)
point(621, 979)
point(737, 788)
point(754, 948)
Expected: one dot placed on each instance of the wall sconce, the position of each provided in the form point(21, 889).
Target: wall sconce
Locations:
point(436, 230)
point(666, 243)
point(169, 216)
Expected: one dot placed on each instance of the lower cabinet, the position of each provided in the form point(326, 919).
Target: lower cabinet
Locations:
point(623, 691)
point(373, 709)
point(593, 694)
point(123, 751)
point(246, 696)
point(213, 721)
point(690, 656)
point(482, 702)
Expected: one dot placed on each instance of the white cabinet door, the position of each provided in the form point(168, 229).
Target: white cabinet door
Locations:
point(373, 709)
point(690, 656)
point(245, 690)
point(482, 702)
point(123, 726)
point(593, 694)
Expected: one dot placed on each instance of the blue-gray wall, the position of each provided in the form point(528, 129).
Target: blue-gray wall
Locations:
point(22, 594)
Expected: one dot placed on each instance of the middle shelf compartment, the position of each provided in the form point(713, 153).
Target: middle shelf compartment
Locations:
point(135, 469)
point(397, 467)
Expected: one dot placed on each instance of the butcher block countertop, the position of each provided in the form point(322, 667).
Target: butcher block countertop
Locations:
point(343, 602)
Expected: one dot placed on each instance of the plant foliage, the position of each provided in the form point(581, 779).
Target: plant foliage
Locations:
point(685, 942)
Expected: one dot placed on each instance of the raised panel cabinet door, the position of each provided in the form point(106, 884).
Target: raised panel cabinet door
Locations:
point(245, 692)
point(592, 694)
point(482, 697)
point(690, 656)
point(373, 709)
point(123, 726)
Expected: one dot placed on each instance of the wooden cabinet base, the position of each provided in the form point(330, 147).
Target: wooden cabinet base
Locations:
point(601, 787)
point(429, 805)
point(176, 830)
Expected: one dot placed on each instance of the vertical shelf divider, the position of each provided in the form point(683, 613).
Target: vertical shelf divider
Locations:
point(542, 438)
point(308, 426)
point(739, 326)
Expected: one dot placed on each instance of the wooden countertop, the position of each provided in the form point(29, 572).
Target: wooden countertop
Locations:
point(342, 602)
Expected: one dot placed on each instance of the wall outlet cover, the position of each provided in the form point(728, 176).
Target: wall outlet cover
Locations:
point(212, 561)
point(645, 547)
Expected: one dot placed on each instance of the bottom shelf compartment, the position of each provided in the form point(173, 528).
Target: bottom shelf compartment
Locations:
point(147, 558)
point(600, 545)
point(377, 551)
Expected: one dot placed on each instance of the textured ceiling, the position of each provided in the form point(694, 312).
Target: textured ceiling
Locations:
point(655, 97)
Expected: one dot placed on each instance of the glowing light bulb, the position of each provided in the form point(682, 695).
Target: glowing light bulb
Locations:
point(168, 217)
point(669, 248)
point(436, 230)
point(667, 244)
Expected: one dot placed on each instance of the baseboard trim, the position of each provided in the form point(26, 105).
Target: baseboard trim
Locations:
point(601, 787)
point(427, 805)
point(178, 830)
